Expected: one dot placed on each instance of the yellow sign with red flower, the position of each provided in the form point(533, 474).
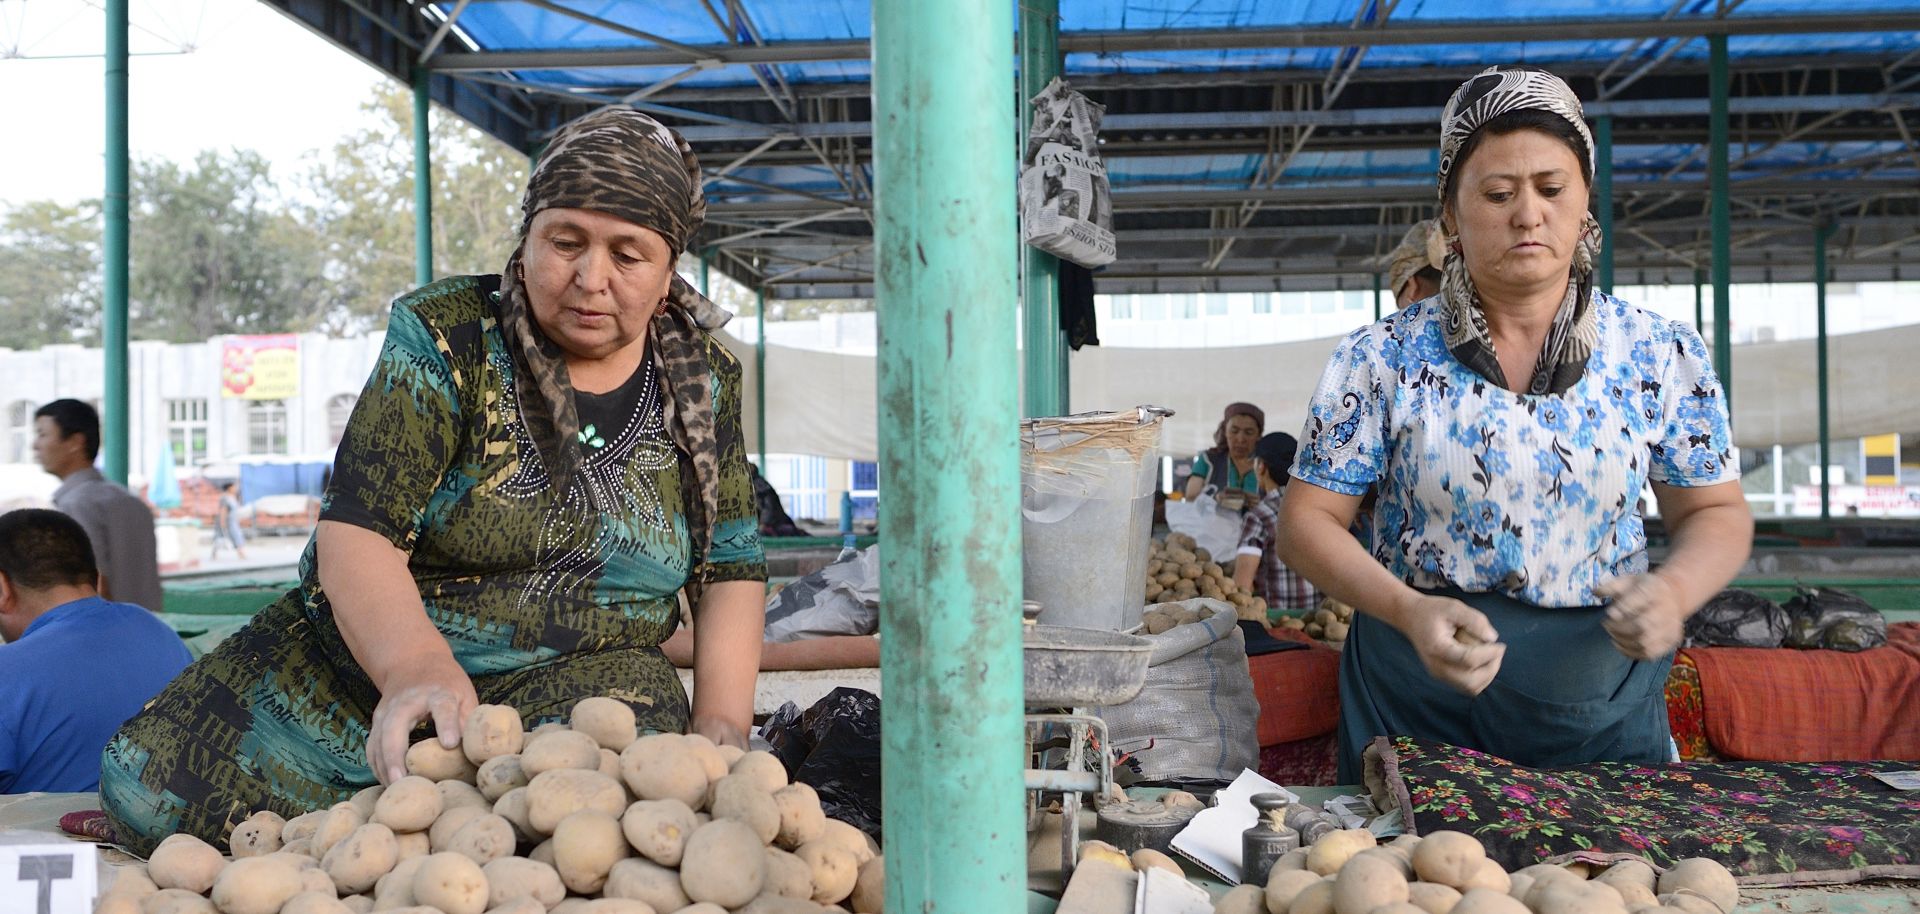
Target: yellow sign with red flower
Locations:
point(265, 367)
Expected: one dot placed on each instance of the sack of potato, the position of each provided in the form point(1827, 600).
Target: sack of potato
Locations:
point(579, 818)
point(1328, 623)
point(1179, 569)
point(1346, 872)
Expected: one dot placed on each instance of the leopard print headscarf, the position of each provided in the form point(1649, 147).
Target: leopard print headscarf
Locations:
point(1570, 341)
point(623, 163)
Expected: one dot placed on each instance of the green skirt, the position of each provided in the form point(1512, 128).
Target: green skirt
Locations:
point(268, 721)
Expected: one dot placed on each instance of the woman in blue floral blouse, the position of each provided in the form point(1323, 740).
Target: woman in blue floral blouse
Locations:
point(1509, 424)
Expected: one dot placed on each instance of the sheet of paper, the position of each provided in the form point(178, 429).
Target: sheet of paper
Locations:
point(1162, 892)
point(1212, 839)
point(1900, 780)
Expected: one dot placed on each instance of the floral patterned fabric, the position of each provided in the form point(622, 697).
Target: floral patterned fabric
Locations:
point(1774, 823)
point(1487, 490)
point(1687, 711)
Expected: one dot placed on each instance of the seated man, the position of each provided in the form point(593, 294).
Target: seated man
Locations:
point(75, 666)
point(1256, 565)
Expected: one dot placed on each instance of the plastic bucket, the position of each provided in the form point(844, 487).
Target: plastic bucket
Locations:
point(1086, 499)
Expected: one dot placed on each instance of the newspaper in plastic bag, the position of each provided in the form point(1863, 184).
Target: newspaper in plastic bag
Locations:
point(1066, 205)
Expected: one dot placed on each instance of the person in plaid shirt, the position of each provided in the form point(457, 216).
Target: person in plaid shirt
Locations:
point(1256, 565)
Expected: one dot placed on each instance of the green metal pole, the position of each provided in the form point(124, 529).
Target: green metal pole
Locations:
point(1379, 307)
point(1820, 349)
point(1699, 303)
point(1046, 352)
point(945, 284)
point(759, 367)
point(1603, 197)
point(422, 182)
point(114, 248)
point(1722, 218)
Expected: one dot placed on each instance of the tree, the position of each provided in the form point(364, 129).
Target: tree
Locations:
point(365, 215)
point(50, 275)
point(216, 250)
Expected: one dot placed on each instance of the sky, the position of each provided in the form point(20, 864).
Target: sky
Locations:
point(251, 78)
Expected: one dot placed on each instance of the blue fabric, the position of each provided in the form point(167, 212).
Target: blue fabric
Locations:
point(1564, 694)
point(77, 673)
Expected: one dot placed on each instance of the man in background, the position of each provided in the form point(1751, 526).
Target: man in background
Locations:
point(1256, 564)
point(66, 439)
point(75, 667)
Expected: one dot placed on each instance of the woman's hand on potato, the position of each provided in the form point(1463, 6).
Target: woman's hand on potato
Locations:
point(1645, 618)
point(435, 688)
point(723, 732)
point(1456, 643)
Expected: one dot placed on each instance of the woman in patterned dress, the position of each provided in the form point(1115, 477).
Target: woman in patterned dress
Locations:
point(540, 461)
point(1509, 424)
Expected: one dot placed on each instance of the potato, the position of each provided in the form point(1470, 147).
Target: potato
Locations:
point(1335, 631)
point(834, 870)
point(725, 863)
point(616, 906)
point(517, 877)
point(730, 754)
point(484, 839)
point(765, 768)
point(413, 844)
point(542, 852)
point(1634, 894)
point(1432, 897)
point(316, 879)
point(643, 880)
point(1449, 858)
point(739, 797)
point(610, 765)
point(1242, 899)
point(301, 826)
point(457, 794)
point(768, 903)
point(256, 885)
point(357, 863)
point(1314, 899)
point(315, 903)
point(435, 762)
point(586, 845)
point(498, 775)
point(491, 731)
point(408, 805)
point(1283, 885)
point(559, 749)
point(1487, 874)
point(801, 819)
point(117, 904)
point(609, 721)
point(1399, 907)
point(1690, 904)
point(358, 904)
point(1696, 876)
point(557, 794)
point(258, 836)
point(787, 875)
point(851, 839)
point(302, 847)
point(658, 829)
point(1148, 858)
point(1368, 881)
point(339, 822)
point(870, 889)
point(662, 767)
point(518, 906)
point(395, 889)
point(513, 808)
point(440, 836)
point(176, 901)
point(1295, 859)
point(1332, 852)
point(1629, 872)
point(131, 881)
point(184, 862)
point(1398, 857)
point(451, 883)
point(1487, 901)
point(1574, 896)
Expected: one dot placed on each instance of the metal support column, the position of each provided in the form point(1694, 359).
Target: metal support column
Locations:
point(759, 367)
point(1722, 217)
point(1046, 345)
point(1820, 236)
point(945, 283)
point(1379, 308)
point(1699, 304)
point(422, 182)
point(114, 249)
point(1603, 198)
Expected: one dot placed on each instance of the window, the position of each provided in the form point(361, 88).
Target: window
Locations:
point(1153, 307)
point(18, 447)
point(1120, 307)
point(339, 410)
point(1186, 306)
point(187, 431)
point(1263, 303)
point(1216, 304)
point(267, 427)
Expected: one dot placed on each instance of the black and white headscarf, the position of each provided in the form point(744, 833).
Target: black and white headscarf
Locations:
point(1497, 91)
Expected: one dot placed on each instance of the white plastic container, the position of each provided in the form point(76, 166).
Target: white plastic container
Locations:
point(1086, 499)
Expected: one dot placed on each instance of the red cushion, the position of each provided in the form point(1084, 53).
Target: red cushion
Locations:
point(1777, 704)
point(1298, 691)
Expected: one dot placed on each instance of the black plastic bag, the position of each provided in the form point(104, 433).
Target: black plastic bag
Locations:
point(834, 747)
point(1822, 617)
point(1737, 618)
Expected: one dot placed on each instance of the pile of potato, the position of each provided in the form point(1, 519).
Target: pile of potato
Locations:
point(1346, 872)
point(581, 818)
point(1328, 623)
point(1178, 569)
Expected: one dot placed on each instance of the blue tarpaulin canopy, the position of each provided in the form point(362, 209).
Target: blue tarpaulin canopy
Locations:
point(1252, 144)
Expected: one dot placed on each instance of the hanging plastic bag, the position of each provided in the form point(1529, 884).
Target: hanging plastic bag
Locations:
point(1066, 204)
point(1214, 528)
